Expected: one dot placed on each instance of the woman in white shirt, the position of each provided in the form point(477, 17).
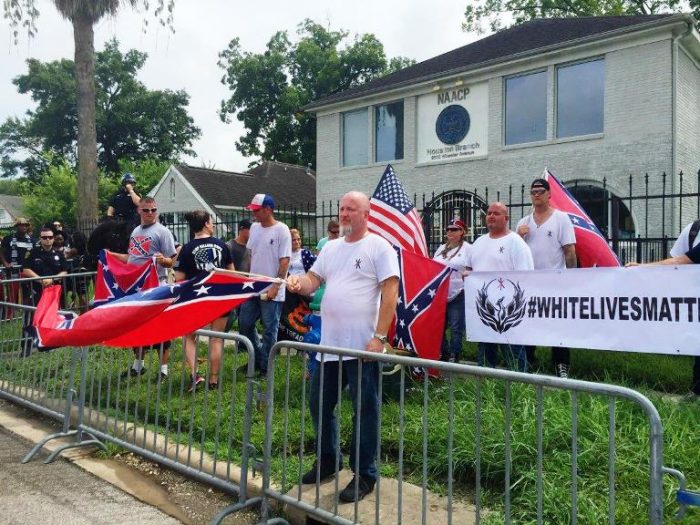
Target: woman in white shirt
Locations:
point(454, 254)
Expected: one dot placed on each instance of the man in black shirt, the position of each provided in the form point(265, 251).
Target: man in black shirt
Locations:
point(124, 204)
point(237, 247)
point(40, 261)
point(15, 247)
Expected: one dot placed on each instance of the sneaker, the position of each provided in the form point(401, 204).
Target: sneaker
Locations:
point(327, 471)
point(364, 486)
point(562, 370)
point(131, 372)
point(162, 377)
point(196, 380)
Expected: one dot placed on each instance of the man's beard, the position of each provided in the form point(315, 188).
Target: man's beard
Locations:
point(345, 230)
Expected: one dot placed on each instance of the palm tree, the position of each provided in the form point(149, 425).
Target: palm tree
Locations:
point(83, 14)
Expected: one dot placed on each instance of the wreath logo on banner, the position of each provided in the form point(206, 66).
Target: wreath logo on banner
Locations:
point(509, 307)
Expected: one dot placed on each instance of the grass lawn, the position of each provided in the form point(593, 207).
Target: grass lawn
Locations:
point(195, 417)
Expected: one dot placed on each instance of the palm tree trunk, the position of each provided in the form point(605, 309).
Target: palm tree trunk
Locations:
point(86, 209)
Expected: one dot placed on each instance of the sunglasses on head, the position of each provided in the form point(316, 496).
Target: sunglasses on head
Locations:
point(149, 210)
point(47, 236)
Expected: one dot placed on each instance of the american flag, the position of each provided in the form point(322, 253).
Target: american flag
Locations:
point(393, 216)
point(591, 247)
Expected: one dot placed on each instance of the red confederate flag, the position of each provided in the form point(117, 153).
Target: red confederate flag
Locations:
point(147, 317)
point(420, 314)
point(115, 278)
point(591, 247)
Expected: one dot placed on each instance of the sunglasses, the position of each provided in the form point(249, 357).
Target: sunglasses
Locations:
point(538, 192)
point(149, 210)
point(454, 229)
point(46, 237)
point(334, 232)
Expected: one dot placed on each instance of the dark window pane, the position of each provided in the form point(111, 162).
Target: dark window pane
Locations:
point(580, 94)
point(526, 108)
point(388, 132)
point(355, 138)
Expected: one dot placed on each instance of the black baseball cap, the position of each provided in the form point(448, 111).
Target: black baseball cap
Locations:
point(540, 183)
point(244, 225)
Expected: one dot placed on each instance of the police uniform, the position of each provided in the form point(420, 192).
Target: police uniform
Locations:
point(124, 207)
point(44, 263)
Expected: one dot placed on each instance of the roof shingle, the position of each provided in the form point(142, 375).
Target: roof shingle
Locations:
point(523, 38)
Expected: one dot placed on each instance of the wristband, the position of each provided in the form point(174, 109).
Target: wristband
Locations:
point(381, 338)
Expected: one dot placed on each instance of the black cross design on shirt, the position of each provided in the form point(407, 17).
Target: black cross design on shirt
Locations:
point(272, 241)
point(549, 233)
point(358, 263)
point(501, 249)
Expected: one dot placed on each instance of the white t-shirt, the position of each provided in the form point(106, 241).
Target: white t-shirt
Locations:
point(680, 247)
point(296, 265)
point(267, 246)
point(455, 258)
point(352, 273)
point(547, 239)
point(505, 253)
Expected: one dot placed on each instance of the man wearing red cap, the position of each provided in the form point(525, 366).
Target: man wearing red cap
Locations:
point(270, 248)
point(454, 254)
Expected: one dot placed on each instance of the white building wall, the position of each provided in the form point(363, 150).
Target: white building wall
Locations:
point(637, 137)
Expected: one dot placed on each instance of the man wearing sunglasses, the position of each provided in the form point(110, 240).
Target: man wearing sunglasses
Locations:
point(550, 235)
point(40, 261)
point(150, 239)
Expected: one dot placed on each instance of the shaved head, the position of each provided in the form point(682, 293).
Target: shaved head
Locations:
point(353, 215)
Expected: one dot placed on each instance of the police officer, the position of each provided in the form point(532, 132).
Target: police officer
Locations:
point(14, 247)
point(124, 204)
point(42, 261)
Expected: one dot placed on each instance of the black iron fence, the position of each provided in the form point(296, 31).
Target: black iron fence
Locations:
point(640, 215)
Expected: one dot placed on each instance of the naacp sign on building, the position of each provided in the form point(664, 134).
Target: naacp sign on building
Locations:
point(453, 124)
point(594, 99)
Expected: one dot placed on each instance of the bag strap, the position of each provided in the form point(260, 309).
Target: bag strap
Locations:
point(693, 233)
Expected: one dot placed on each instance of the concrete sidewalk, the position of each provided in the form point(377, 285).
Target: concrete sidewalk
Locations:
point(61, 493)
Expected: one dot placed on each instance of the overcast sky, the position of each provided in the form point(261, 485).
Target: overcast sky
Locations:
point(187, 60)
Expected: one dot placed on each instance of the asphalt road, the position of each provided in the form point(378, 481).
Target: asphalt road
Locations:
point(61, 493)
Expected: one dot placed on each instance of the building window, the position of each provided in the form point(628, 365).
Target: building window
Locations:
point(580, 93)
point(172, 189)
point(526, 108)
point(388, 132)
point(355, 143)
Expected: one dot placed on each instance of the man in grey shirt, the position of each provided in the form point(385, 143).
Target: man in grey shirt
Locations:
point(150, 239)
point(237, 247)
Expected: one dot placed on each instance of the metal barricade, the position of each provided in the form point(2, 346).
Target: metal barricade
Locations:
point(478, 445)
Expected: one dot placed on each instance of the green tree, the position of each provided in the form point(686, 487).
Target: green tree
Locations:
point(83, 15)
point(269, 89)
point(497, 13)
point(131, 121)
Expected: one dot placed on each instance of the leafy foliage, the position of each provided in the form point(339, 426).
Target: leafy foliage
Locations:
point(270, 89)
point(497, 13)
point(132, 121)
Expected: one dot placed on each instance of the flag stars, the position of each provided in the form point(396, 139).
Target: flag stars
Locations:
point(432, 293)
point(202, 290)
point(248, 284)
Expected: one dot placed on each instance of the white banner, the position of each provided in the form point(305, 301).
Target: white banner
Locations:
point(453, 124)
point(653, 309)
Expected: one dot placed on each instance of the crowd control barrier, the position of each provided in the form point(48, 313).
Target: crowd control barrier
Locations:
point(474, 445)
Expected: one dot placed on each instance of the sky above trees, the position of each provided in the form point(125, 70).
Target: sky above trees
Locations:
point(188, 59)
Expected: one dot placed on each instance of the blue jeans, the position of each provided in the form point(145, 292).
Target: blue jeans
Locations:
point(514, 354)
point(327, 395)
point(269, 314)
point(455, 321)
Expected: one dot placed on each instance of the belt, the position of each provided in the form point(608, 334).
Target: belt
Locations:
point(460, 294)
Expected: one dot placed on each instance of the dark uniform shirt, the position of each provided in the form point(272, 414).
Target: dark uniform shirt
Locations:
point(44, 263)
point(124, 207)
point(15, 248)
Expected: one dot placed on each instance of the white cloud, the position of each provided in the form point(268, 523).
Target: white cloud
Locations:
point(188, 59)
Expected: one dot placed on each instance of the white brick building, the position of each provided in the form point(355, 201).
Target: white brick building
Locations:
point(586, 97)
